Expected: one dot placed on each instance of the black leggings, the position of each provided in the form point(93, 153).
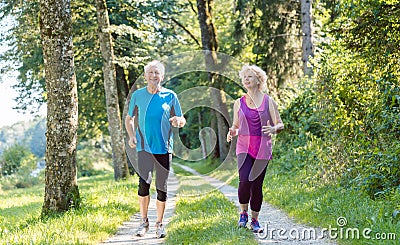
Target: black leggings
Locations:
point(146, 164)
point(251, 177)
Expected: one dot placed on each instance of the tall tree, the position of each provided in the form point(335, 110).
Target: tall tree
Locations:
point(210, 45)
point(138, 34)
point(111, 89)
point(269, 30)
point(61, 189)
point(307, 28)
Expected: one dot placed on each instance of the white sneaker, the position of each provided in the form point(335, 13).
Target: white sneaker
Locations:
point(160, 231)
point(143, 227)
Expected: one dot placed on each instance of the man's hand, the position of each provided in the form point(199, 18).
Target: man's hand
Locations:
point(177, 122)
point(132, 142)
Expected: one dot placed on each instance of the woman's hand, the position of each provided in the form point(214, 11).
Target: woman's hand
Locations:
point(232, 132)
point(269, 130)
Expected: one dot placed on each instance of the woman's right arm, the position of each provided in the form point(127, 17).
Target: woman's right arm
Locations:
point(233, 131)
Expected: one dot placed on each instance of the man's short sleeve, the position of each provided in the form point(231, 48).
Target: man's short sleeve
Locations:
point(177, 106)
point(132, 104)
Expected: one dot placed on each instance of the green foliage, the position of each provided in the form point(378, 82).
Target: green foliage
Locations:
point(92, 160)
point(139, 31)
point(30, 134)
point(16, 166)
point(344, 128)
point(373, 31)
point(21, 180)
point(359, 89)
point(267, 33)
point(23, 147)
point(17, 158)
point(321, 206)
point(303, 115)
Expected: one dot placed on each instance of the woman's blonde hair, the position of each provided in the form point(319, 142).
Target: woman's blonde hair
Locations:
point(260, 73)
point(156, 63)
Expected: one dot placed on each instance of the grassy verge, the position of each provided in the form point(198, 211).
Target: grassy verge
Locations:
point(322, 206)
point(105, 205)
point(327, 206)
point(204, 215)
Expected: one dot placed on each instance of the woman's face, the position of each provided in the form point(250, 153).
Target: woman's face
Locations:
point(249, 79)
point(153, 76)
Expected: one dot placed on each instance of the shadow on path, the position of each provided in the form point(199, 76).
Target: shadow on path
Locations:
point(126, 233)
point(279, 228)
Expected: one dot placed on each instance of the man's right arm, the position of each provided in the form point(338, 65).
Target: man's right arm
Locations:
point(130, 125)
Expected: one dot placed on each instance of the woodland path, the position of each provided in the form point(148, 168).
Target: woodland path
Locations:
point(271, 218)
point(125, 234)
point(275, 218)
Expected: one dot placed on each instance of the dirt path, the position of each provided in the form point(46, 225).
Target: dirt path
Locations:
point(280, 229)
point(125, 234)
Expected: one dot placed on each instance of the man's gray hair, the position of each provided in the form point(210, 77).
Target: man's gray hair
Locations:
point(156, 63)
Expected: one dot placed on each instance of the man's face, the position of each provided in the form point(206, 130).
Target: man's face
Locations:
point(153, 76)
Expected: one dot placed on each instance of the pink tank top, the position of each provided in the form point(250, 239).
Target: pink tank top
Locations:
point(251, 140)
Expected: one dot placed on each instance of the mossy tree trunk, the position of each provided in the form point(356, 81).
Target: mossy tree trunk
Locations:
point(307, 29)
point(111, 89)
point(61, 188)
point(210, 45)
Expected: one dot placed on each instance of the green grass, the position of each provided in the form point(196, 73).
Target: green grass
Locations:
point(226, 171)
point(323, 205)
point(105, 205)
point(204, 215)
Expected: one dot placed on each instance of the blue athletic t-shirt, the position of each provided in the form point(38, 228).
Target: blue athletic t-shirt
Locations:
point(154, 132)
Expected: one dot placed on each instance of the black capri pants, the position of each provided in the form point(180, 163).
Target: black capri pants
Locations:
point(147, 162)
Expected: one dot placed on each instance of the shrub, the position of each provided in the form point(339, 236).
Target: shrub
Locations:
point(92, 161)
point(17, 158)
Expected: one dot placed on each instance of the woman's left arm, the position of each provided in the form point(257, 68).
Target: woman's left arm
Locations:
point(276, 118)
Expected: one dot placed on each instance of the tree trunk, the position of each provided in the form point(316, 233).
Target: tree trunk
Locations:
point(203, 141)
point(307, 29)
point(61, 188)
point(122, 87)
point(218, 102)
point(214, 125)
point(110, 86)
point(210, 45)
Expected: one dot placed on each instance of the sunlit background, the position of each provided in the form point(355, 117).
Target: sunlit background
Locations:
point(8, 115)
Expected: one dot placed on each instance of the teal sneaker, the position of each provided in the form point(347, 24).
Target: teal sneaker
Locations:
point(255, 226)
point(244, 217)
